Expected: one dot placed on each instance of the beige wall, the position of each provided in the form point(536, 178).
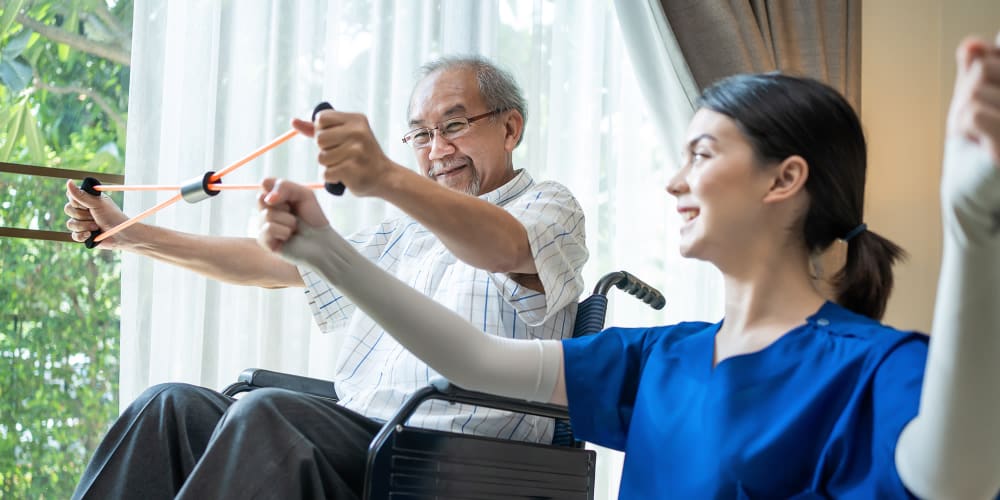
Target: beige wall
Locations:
point(907, 71)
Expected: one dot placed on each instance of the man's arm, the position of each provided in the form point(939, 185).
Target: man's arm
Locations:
point(233, 260)
point(479, 233)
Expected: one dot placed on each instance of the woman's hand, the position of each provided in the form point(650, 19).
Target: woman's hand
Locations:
point(283, 205)
point(975, 106)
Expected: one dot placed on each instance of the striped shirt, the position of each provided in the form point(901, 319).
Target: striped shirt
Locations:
point(375, 374)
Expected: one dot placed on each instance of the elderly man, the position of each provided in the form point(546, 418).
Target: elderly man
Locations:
point(480, 237)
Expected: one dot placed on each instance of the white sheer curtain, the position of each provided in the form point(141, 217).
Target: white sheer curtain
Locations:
point(213, 81)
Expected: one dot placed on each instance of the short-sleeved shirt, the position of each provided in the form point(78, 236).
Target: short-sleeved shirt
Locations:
point(375, 374)
point(818, 412)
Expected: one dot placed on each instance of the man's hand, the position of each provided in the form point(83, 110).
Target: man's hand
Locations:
point(348, 151)
point(88, 213)
point(283, 204)
point(975, 107)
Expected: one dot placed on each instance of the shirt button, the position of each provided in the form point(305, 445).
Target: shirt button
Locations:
point(822, 322)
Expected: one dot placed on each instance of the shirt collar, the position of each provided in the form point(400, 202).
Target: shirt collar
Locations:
point(509, 191)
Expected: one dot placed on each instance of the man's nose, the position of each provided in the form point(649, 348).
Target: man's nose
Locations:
point(440, 147)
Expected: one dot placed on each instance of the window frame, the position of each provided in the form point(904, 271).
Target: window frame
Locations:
point(56, 173)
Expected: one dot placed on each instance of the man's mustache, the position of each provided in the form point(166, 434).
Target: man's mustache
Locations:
point(441, 166)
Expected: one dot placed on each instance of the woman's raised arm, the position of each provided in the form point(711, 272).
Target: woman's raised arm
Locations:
point(468, 357)
point(952, 448)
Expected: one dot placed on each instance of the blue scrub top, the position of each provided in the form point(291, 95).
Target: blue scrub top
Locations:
point(816, 413)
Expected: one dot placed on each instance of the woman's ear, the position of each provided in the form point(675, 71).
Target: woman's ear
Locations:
point(789, 179)
point(513, 128)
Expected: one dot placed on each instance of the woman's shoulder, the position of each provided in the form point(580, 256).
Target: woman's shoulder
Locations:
point(664, 334)
point(852, 330)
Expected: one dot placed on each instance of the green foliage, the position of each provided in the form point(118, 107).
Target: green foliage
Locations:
point(66, 88)
point(59, 303)
point(58, 362)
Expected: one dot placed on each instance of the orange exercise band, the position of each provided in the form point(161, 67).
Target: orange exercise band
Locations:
point(251, 187)
point(135, 187)
point(111, 232)
point(263, 149)
point(215, 178)
point(211, 187)
point(215, 187)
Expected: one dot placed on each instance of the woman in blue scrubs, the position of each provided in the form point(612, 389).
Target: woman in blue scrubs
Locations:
point(795, 394)
point(791, 394)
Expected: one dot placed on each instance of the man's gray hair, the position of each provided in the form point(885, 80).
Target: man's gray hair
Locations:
point(497, 86)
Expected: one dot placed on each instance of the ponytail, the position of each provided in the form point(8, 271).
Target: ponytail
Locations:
point(865, 282)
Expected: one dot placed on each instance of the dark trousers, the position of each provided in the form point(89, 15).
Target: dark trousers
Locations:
point(188, 442)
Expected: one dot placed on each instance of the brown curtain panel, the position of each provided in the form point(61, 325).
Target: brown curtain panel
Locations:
point(815, 38)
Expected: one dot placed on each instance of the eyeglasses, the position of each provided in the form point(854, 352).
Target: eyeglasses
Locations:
point(450, 129)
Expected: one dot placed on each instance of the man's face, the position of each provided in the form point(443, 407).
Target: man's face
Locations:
point(478, 161)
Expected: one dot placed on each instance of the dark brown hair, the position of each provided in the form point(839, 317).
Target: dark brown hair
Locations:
point(782, 116)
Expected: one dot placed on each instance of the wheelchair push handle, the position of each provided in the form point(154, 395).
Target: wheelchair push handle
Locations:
point(338, 188)
point(634, 286)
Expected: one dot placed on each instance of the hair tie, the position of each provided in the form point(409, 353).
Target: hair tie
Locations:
point(856, 231)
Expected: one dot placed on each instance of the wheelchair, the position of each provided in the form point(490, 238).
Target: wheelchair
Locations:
point(414, 463)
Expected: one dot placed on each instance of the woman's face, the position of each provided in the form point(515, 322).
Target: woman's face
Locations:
point(719, 189)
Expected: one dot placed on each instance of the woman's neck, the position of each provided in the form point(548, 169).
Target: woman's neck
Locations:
point(765, 301)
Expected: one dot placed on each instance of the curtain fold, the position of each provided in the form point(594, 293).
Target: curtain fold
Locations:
point(820, 39)
point(663, 74)
point(210, 84)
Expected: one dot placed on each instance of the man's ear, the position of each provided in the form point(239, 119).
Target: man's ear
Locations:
point(513, 128)
point(789, 179)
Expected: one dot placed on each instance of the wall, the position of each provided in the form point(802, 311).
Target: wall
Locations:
point(907, 73)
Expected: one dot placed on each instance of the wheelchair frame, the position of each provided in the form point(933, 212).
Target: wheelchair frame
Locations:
point(420, 463)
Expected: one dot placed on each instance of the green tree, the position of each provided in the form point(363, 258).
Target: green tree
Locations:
point(64, 71)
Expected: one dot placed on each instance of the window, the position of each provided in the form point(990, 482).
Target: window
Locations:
point(64, 74)
point(218, 80)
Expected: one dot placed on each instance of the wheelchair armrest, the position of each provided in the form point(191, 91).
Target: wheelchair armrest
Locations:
point(420, 463)
point(446, 391)
point(257, 378)
point(443, 390)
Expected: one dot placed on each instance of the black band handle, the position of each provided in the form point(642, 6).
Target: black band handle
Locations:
point(338, 188)
point(88, 187)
